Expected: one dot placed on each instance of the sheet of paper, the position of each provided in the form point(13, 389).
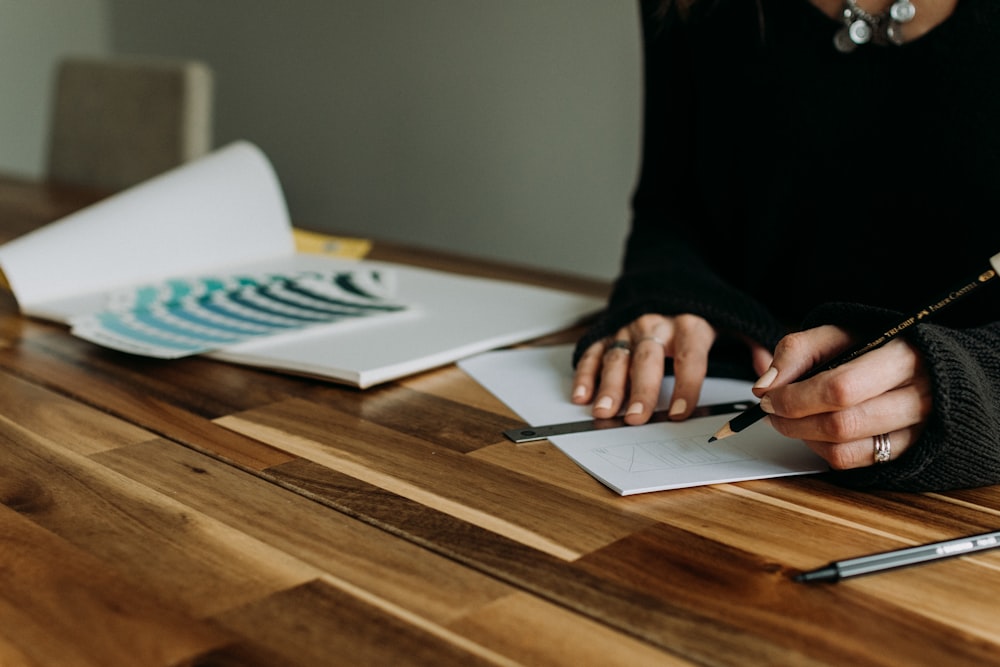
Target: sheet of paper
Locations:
point(449, 317)
point(536, 384)
point(224, 209)
point(332, 246)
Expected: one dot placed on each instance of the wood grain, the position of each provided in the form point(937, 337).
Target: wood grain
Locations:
point(59, 605)
point(193, 512)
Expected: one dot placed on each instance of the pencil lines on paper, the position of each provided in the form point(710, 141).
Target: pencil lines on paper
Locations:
point(668, 454)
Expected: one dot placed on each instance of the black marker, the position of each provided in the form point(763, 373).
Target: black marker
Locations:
point(888, 560)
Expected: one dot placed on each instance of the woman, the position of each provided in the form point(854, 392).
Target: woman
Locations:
point(823, 167)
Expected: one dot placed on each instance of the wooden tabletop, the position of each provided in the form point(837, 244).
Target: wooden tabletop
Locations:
point(192, 512)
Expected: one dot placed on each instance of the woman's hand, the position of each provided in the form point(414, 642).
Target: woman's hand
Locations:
point(839, 413)
point(628, 368)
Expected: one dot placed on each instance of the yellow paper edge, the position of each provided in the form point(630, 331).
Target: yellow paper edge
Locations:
point(334, 246)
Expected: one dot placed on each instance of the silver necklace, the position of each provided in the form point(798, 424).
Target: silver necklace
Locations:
point(861, 27)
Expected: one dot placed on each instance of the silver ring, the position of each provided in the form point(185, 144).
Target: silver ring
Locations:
point(883, 448)
point(658, 341)
point(620, 345)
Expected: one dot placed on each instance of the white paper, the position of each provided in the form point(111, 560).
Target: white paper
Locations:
point(224, 209)
point(452, 317)
point(536, 384)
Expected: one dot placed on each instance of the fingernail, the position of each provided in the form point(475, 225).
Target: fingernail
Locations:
point(765, 380)
point(765, 405)
point(677, 407)
point(580, 392)
point(604, 403)
point(634, 409)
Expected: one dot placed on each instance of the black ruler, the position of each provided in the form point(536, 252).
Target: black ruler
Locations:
point(530, 433)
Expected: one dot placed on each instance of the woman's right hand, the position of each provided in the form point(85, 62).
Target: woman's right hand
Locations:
point(628, 367)
point(841, 413)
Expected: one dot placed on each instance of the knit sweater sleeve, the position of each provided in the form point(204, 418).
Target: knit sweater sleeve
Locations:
point(960, 445)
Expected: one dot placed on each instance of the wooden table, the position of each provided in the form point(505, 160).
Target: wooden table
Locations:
point(193, 512)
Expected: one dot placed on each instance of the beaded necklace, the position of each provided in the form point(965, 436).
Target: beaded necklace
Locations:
point(861, 27)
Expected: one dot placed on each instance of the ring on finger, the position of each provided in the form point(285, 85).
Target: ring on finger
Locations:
point(656, 339)
point(882, 448)
point(623, 345)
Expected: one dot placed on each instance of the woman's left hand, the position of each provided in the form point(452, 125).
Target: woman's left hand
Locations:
point(842, 413)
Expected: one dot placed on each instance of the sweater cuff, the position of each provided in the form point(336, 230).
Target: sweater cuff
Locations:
point(665, 293)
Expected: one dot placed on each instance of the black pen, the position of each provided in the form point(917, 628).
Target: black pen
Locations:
point(888, 560)
point(754, 413)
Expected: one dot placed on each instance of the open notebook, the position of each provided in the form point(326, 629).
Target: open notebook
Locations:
point(202, 260)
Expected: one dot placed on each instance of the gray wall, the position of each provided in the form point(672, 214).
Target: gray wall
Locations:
point(506, 130)
point(33, 35)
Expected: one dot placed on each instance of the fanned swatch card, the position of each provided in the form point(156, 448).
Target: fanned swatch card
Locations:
point(180, 316)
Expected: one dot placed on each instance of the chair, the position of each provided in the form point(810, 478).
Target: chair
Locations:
point(117, 121)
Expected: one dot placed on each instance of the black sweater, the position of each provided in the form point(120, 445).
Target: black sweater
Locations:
point(785, 184)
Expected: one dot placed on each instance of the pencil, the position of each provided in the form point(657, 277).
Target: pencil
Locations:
point(755, 413)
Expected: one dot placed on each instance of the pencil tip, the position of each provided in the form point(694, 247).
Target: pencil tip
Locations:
point(723, 432)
